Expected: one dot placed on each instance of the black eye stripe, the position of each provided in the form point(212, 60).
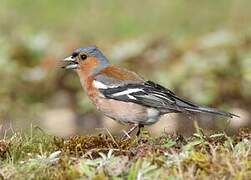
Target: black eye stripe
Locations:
point(75, 54)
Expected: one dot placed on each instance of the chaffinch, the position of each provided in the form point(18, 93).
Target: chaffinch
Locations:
point(125, 96)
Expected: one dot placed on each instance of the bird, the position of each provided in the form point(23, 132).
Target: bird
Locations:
point(124, 95)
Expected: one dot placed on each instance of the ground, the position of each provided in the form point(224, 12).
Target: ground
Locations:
point(170, 156)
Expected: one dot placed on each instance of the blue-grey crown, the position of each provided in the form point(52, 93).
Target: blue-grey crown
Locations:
point(93, 51)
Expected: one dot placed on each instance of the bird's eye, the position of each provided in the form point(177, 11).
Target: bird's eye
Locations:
point(83, 56)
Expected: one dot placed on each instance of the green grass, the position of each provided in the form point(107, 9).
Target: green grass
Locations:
point(110, 20)
point(40, 156)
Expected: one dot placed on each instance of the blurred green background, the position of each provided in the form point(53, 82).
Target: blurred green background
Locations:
point(199, 49)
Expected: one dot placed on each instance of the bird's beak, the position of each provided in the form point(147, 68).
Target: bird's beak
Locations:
point(70, 63)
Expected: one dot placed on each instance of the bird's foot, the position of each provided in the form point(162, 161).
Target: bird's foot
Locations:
point(140, 127)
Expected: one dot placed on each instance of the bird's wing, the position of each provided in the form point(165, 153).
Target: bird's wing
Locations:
point(150, 94)
point(141, 92)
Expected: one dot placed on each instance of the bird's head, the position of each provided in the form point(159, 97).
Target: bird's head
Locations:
point(88, 58)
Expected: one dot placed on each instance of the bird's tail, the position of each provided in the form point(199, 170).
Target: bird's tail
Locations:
point(210, 110)
point(193, 107)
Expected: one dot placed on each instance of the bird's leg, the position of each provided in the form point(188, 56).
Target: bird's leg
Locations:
point(139, 129)
point(132, 128)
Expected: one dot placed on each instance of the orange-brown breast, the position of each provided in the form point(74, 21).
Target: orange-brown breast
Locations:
point(86, 79)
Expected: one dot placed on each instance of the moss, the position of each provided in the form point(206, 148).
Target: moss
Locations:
point(92, 145)
point(39, 156)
